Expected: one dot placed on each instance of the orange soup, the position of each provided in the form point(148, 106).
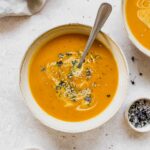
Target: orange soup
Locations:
point(65, 91)
point(138, 18)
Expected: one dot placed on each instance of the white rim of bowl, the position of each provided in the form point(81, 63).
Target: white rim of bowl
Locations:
point(75, 127)
point(132, 38)
point(143, 129)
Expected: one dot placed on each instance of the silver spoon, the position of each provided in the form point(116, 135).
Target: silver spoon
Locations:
point(102, 15)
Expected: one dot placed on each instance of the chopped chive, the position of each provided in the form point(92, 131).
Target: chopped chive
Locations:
point(88, 72)
point(74, 62)
point(73, 98)
point(58, 87)
point(70, 75)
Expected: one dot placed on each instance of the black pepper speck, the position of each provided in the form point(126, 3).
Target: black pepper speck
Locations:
point(108, 95)
point(133, 58)
point(132, 82)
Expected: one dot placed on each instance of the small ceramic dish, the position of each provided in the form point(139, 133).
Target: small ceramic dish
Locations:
point(130, 34)
point(74, 127)
point(137, 129)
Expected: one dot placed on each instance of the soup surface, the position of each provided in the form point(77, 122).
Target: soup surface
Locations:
point(65, 91)
point(138, 18)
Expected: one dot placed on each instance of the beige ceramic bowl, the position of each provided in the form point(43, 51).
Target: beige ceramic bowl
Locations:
point(130, 34)
point(74, 127)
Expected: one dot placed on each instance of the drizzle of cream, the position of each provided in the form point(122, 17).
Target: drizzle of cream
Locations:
point(82, 108)
point(53, 73)
point(143, 12)
point(143, 3)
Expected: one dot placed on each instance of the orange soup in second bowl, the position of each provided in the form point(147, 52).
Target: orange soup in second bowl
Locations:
point(138, 18)
point(65, 91)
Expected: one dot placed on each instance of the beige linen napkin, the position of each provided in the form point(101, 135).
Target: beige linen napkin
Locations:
point(20, 7)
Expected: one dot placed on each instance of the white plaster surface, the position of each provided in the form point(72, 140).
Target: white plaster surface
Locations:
point(18, 128)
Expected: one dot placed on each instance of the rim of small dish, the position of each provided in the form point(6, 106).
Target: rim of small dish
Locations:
point(132, 38)
point(76, 127)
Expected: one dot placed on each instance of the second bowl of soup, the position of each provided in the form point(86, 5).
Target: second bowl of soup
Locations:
point(137, 22)
point(68, 98)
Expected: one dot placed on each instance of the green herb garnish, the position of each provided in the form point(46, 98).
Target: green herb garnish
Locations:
point(70, 75)
point(59, 86)
point(73, 98)
point(74, 62)
point(88, 72)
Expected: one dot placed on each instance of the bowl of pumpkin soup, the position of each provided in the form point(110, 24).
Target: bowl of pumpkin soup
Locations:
point(136, 15)
point(65, 97)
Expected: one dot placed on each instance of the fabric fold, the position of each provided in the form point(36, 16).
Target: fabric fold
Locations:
point(20, 7)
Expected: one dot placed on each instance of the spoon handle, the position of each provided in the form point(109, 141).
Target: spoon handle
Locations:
point(102, 15)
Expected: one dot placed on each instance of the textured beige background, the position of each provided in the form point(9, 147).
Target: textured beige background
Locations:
point(18, 128)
